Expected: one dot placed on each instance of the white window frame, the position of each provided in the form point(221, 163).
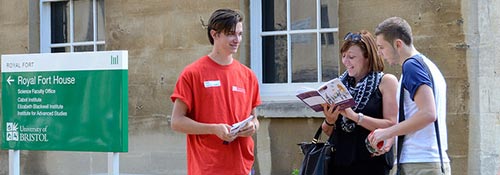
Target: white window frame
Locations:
point(281, 91)
point(45, 28)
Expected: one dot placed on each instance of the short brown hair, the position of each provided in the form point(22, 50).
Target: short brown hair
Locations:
point(395, 28)
point(223, 20)
point(369, 49)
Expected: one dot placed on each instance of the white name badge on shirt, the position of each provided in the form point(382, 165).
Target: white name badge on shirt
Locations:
point(238, 89)
point(215, 83)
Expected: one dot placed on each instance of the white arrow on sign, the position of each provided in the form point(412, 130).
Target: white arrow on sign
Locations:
point(9, 80)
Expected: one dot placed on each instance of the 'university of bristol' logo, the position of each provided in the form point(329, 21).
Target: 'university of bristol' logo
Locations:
point(12, 134)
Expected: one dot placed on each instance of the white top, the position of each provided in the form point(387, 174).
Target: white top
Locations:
point(421, 146)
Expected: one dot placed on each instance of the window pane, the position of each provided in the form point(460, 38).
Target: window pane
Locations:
point(84, 48)
point(59, 23)
point(273, 15)
point(101, 47)
point(302, 14)
point(329, 56)
point(100, 20)
point(274, 59)
point(329, 12)
point(82, 22)
point(304, 58)
point(60, 49)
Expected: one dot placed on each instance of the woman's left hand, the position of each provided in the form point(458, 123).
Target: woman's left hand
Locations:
point(348, 112)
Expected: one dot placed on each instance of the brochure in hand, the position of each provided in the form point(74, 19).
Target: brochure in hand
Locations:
point(235, 128)
point(332, 92)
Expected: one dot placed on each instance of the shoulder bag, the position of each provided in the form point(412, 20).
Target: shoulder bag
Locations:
point(318, 156)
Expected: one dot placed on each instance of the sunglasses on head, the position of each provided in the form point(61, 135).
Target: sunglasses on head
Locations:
point(353, 37)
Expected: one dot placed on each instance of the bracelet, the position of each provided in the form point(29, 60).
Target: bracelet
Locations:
point(329, 124)
point(360, 118)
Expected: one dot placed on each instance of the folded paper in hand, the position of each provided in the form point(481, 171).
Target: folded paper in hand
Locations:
point(332, 92)
point(235, 128)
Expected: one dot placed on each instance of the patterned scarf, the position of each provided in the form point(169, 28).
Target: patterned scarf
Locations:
point(361, 93)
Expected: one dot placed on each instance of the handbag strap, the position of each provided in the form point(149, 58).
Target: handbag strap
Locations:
point(402, 118)
point(318, 134)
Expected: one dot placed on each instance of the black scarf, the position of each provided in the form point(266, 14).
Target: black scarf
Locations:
point(361, 92)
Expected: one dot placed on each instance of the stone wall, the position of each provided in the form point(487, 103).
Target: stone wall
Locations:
point(482, 36)
point(164, 36)
point(14, 20)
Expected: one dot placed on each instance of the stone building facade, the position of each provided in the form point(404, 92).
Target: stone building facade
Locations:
point(162, 37)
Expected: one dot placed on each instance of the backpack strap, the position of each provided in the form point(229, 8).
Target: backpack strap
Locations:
point(436, 126)
point(401, 119)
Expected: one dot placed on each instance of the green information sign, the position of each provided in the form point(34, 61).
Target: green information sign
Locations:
point(65, 101)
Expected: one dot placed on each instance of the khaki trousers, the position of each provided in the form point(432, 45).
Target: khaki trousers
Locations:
point(423, 169)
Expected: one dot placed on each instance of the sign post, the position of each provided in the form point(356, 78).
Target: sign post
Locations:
point(113, 163)
point(65, 101)
point(14, 162)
